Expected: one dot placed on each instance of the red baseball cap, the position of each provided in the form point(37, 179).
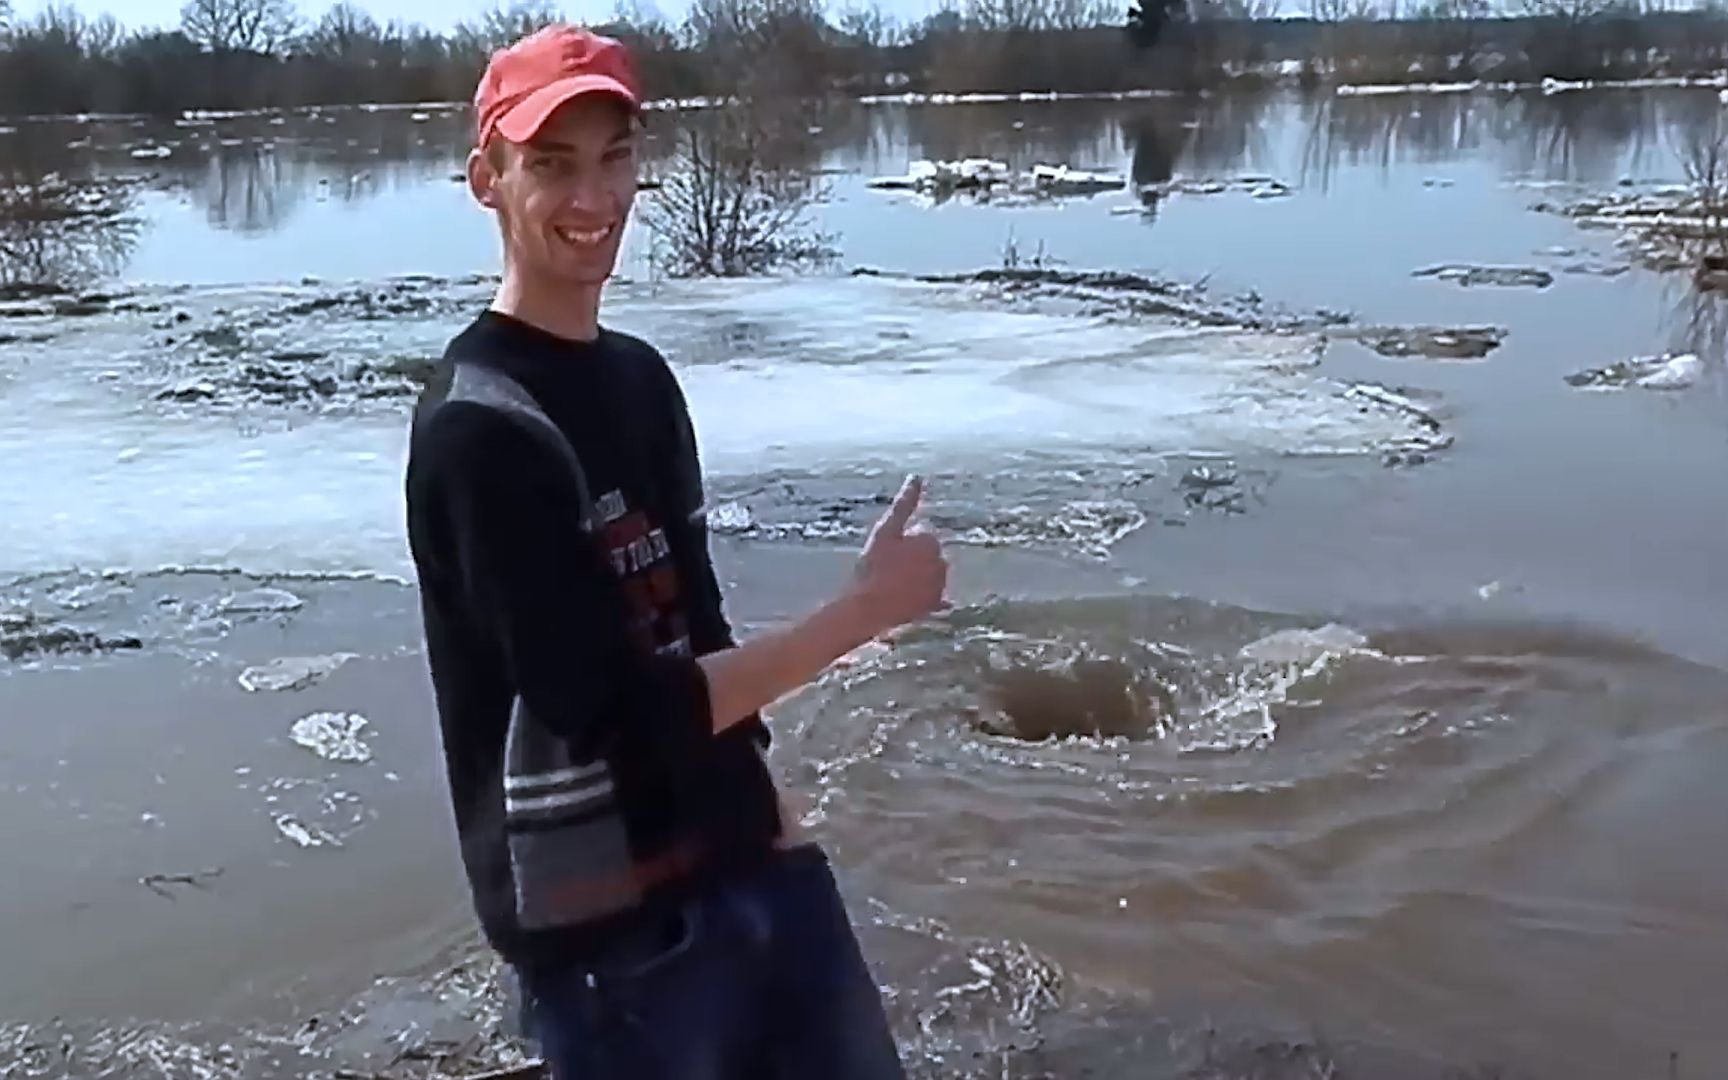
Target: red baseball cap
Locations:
point(526, 82)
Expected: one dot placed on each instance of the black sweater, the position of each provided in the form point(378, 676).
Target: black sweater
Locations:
point(592, 634)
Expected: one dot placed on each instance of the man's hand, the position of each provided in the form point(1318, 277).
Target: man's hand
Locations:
point(900, 578)
point(902, 575)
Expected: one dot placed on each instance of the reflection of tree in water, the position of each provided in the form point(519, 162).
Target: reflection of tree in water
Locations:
point(1697, 322)
point(1230, 133)
point(62, 231)
point(250, 189)
point(251, 177)
point(1207, 136)
point(1587, 137)
point(1066, 133)
point(1157, 137)
point(1382, 131)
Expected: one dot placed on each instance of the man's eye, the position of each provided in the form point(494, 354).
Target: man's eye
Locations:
point(620, 153)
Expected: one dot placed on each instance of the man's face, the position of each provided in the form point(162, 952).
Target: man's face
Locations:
point(564, 196)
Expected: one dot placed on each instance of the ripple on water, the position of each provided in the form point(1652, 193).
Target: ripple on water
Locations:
point(1160, 794)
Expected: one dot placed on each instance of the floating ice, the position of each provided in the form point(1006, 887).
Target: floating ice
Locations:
point(977, 378)
point(1670, 372)
point(303, 834)
point(291, 672)
point(1062, 180)
point(731, 517)
point(1303, 646)
point(1433, 342)
point(1502, 276)
point(332, 735)
point(259, 602)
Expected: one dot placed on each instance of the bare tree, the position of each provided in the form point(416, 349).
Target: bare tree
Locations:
point(737, 195)
point(732, 38)
point(259, 26)
point(729, 207)
point(345, 33)
point(638, 14)
point(1704, 155)
point(1569, 12)
point(1004, 15)
point(867, 25)
point(5, 17)
point(61, 23)
point(104, 37)
point(63, 233)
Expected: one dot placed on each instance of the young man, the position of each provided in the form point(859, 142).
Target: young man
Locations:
point(624, 840)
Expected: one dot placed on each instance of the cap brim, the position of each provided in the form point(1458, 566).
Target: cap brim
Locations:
point(525, 120)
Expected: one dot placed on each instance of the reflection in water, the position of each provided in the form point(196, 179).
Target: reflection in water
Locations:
point(1022, 134)
point(63, 232)
point(1593, 138)
point(1159, 136)
point(250, 189)
point(259, 173)
point(1204, 135)
point(1697, 322)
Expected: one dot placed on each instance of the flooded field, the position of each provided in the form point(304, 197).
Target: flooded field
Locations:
point(1339, 677)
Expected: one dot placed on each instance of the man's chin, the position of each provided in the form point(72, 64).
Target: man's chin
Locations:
point(590, 274)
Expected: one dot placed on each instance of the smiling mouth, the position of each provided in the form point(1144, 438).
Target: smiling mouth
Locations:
point(582, 238)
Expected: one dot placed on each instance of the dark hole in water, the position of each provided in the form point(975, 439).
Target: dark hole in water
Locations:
point(1083, 696)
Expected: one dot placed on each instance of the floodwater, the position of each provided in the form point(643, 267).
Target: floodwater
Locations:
point(1303, 703)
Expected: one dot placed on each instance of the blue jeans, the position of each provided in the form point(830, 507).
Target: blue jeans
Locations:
point(755, 978)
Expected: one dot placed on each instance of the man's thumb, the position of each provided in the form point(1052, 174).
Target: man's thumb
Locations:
point(905, 505)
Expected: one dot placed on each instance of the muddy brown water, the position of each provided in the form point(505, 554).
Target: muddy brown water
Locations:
point(1236, 759)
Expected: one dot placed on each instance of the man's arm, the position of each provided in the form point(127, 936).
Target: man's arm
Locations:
point(900, 578)
point(541, 589)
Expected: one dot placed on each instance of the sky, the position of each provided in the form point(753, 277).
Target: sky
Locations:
point(435, 14)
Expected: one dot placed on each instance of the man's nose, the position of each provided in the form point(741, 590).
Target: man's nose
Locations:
point(588, 193)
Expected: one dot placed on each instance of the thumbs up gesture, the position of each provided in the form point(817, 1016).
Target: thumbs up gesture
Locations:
point(902, 574)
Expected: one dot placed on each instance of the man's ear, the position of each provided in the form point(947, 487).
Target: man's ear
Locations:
point(482, 179)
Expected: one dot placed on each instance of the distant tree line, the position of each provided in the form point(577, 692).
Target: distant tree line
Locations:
point(233, 54)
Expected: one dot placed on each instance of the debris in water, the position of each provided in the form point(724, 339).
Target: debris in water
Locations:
point(982, 175)
point(260, 602)
point(1502, 276)
point(1062, 180)
point(1433, 342)
point(188, 390)
point(1589, 268)
point(304, 835)
point(291, 672)
point(333, 736)
point(156, 882)
point(1668, 372)
point(937, 177)
point(1303, 646)
point(731, 517)
point(1259, 187)
point(1209, 487)
point(25, 633)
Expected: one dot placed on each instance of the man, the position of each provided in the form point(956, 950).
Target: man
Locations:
point(624, 841)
